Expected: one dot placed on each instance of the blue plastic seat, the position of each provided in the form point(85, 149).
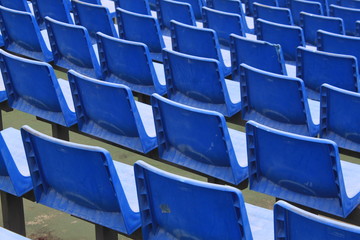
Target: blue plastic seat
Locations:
point(109, 111)
point(336, 43)
point(22, 35)
point(72, 49)
point(301, 169)
point(278, 101)
point(348, 15)
point(232, 6)
point(339, 117)
point(56, 9)
point(223, 24)
point(173, 10)
point(199, 82)
point(201, 42)
point(32, 87)
point(349, 3)
point(298, 6)
point(311, 23)
point(95, 18)
point(14, 170)
point(316, 68)
point(9, 235)
point(19, 5)
point(196, 6)
point(204, 143)
point(175, 207)
point(289, 37)
point(294, 223)
point(129, 63)
point(82, 181)
point(255, 53)
point(142, 28)
point(109, 4)
point(249, 8)
point(273, 14)
point(136, 6)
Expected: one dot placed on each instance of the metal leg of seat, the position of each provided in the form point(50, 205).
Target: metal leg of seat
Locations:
point(60, 132)
point(104, 233)
point(13, 213)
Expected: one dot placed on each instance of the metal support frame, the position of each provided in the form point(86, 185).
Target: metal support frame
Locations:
point(13, 213)
point(60, 132)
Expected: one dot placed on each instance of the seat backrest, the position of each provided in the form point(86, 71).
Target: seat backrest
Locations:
point(293, 166)
point(289, 37)
point(223, 24)
point(22, 35)
point(202, 137)
point(32, 87)
point(201, 42)
point(311, 23)
point(94, 18)
point(56, 9)
point(126, 60)
point(173, 10)
point(195, 77)
point(336, 43)
point(339, 109)
point(173, 217)
point(348, 15)
point(72, 47)
point(298, 6)
point(275, 100)
point(296, 224)
point(273, 14)
point(19, 5)
point(249, 8)
point(349, 3)
point(82, 177)
point(196, 6)
point(316, 68)
point(136, 6)
point(255, 53)
point(105, 104)
point(230, 6)
point(140, 28)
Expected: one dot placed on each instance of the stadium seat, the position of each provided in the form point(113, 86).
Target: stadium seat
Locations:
point(22, 35)
point(298, 6)
point(273, 14)
point(19, 5)
point(32, 87)
point(196, 6)
point(223, 24)
point(9, 235)
point(129, 63)
point(109, 111)
point(311, 23)
point(136, 6)
point(82, 181)
point(201, 42)
point(55, 9)
point(348, 15)
point(204, 143)
point(341, 44)
point(339, 117)
point(304, 170)
point(142, 28)
point(255, 53)
point(349, 3)
point(294, 223)
point(175, 207)
point(95, 18)
point(72, 49)
point(199, 82)
point(14, 175)
point(249, 8)
point(173, 10)
point(109, 4)
point(233, 6)
point(278, 101)
point(317, 67)
point(289, 37)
